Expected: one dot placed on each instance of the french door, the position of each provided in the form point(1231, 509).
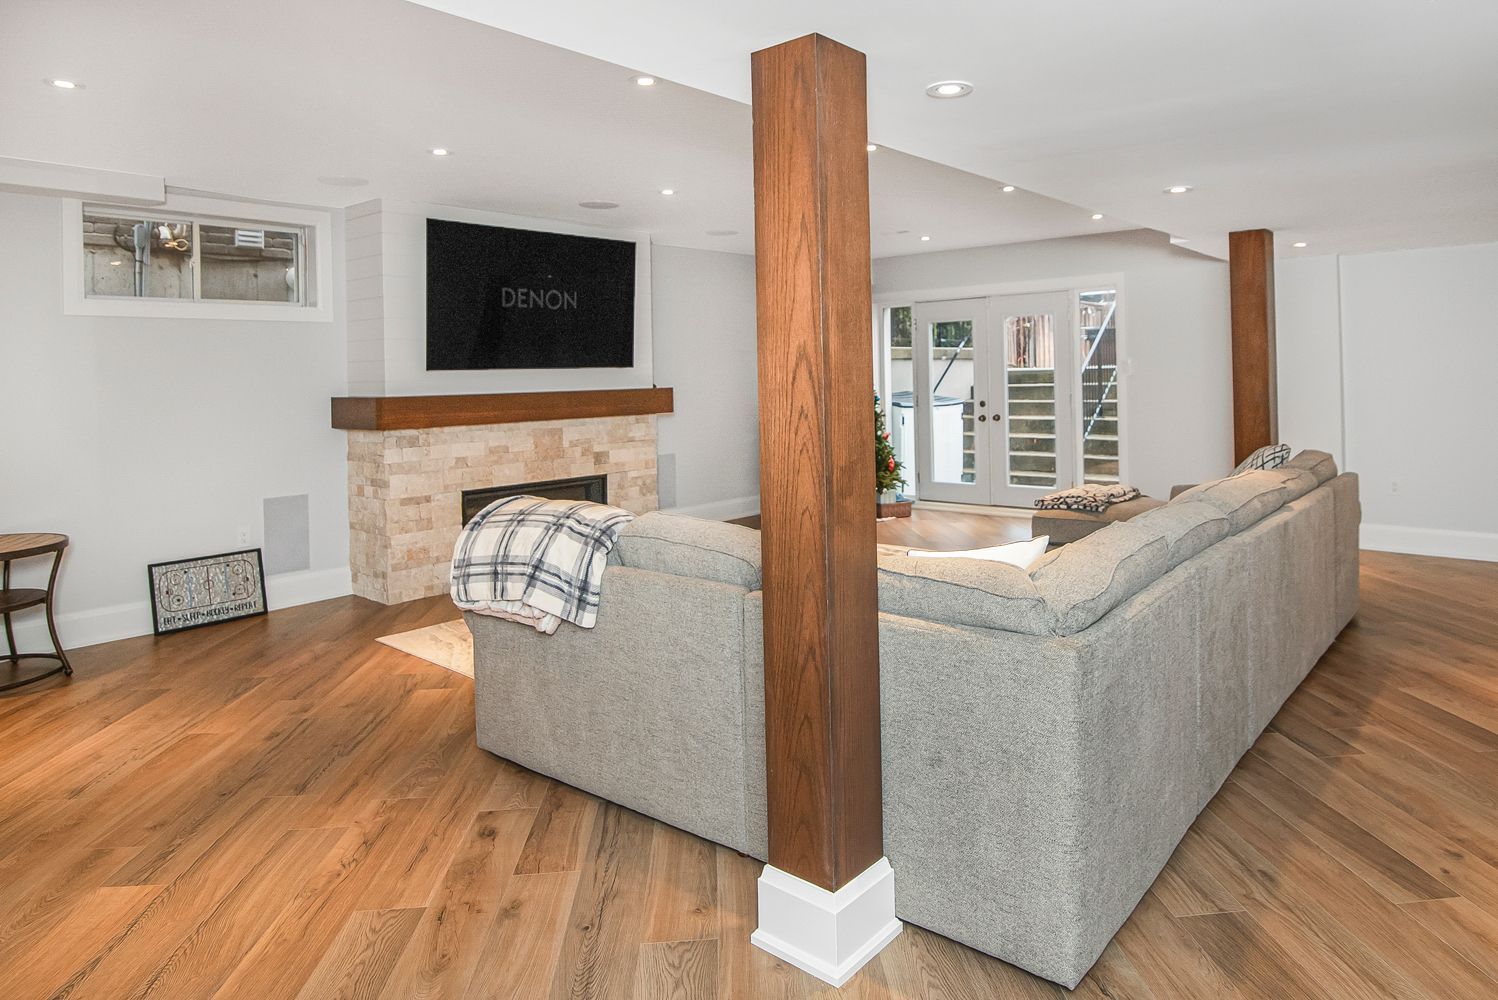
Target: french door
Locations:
point(950, 344)
point(993, 393)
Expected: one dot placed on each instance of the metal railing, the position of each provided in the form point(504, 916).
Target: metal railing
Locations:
point(1099, 373)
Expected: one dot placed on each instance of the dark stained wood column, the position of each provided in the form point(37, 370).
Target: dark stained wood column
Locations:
point(811, 232)
point(1256, 420)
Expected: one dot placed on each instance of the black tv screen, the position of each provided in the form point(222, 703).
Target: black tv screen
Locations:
point(517, 298)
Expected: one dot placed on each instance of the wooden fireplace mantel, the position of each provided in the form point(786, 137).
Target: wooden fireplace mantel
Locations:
point(398, 413)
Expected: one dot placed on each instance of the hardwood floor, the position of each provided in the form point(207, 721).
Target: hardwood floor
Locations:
point(281, 807)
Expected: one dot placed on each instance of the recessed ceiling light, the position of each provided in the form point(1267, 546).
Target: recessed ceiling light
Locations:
point(722, 232)
point(925, 239)
point(440, 151)
point(871, 147)
point(1300, 246)
point(668, 192)
point(598, 204)
point(644, 81)
point(1178, 189)
point(1096, 216)
point(1008, 188)
point(949, 88)
point(64, 84)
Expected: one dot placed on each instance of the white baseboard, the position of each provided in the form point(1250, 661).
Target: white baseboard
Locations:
point(721, 510)
point(1481, 545)
point(828, 934)
point(123, 621)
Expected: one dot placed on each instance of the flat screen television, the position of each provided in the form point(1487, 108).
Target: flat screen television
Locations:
point(518, 298)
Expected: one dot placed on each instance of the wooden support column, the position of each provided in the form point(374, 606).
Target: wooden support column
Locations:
point(826, 900)
point(1255, 385)
point(811, 231)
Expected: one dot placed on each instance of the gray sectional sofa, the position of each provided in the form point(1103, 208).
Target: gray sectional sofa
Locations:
point(1048, 736)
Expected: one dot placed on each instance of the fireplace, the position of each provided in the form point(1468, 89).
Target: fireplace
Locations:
point(592, 488)
point(411, 490)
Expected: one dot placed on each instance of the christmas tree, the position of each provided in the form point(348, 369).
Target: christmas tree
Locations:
point(887, 471)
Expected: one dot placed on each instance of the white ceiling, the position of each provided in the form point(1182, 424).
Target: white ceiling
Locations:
point(261, 100)
point(1354, 125)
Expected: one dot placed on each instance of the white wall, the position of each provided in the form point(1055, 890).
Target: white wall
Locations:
point(1416, 334)
point(1308, 351)
point(152, 439)
point(1174, 326)
point(705, 349)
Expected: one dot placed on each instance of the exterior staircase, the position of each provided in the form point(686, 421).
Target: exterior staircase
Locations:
point(1032, 427)
point(1032, 430)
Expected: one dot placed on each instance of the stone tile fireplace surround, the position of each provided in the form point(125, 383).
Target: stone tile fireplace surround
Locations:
point(405, 486)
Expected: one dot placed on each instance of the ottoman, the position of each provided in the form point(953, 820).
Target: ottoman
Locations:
point(1065, 526)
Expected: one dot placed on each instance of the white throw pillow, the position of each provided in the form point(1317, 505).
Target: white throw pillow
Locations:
point(1021, 554)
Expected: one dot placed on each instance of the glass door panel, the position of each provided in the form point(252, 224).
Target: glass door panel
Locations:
point(1099, 397)
point(899, 414)
point(1034, 441)
point(950, 350)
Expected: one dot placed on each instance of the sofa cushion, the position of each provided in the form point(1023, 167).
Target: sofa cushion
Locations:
point(1188, 527)
point(1297, 482)
point(963, 592)
point(1322, 465)
point(1085, 580)
point(1245, 499)
point(1021, 554)
point(691, 546)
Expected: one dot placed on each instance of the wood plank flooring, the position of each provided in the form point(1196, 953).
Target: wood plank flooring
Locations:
point(281, 807)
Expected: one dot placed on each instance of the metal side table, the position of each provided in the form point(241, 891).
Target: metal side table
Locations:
point(13, 599)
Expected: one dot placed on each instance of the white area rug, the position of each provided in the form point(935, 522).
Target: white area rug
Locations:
point(447, 644)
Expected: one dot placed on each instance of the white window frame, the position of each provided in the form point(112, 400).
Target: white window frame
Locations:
point(316, 264)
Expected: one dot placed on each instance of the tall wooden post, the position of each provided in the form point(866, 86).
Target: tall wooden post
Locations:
point(817, 507)
point(1255, 385)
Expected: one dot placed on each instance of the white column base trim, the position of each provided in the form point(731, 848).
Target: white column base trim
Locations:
point(828, 934)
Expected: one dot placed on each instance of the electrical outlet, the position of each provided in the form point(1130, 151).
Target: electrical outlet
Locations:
point(244, 536)
point(1394, 487)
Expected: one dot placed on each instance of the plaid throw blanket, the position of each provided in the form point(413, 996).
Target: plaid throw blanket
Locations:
point(536, 561)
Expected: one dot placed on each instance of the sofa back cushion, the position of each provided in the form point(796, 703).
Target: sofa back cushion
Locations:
point(1318, 463)
point(1297, 482)
point(690, 546)
point(1085, 580)
point(1244, 499)
point(1188, 527)
point(963, 592)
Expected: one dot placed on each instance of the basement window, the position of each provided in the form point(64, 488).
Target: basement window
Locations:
point(140, 256)
point(185, 259)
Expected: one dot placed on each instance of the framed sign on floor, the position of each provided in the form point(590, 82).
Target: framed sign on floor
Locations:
point(187, 593)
